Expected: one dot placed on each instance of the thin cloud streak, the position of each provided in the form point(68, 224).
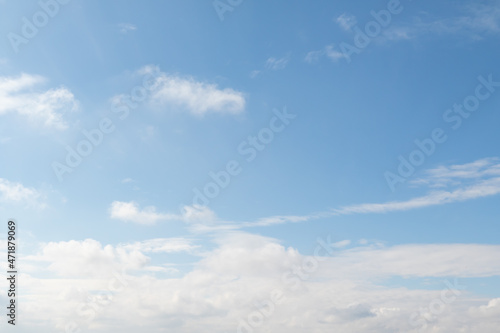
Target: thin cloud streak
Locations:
point(201, 219)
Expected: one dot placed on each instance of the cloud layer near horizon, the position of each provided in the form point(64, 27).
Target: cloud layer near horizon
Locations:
point(101, 287)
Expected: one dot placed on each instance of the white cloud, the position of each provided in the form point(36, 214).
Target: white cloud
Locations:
point(482, 175)
point(483, 188)
point(131, 212)
point(330, 51)
point(477, 21)
point(444, 176)
point(468, 181)
point(314, 56)
point(88, 258)
point(163, 245)
point(254, 74)
point(196, 97)
point(346, 291)
point(16, 193)
point(346, 21)
point(417, 260)
point(17, 94)
point(277, 63)
point(126, 27)
point(198, 214)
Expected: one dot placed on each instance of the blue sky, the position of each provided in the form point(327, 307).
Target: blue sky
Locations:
point(371, 124)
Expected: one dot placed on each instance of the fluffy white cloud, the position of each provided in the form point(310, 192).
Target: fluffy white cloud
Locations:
point(193, 215)
point(196, 97)
point(163, 245)
point(88, 258)
point(254, 281)
point(16, 193)
point(131, 212)
point(18, 94)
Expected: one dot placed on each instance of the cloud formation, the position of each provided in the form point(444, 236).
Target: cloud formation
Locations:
point(126, 27)
point(19, 95)
point(341, 289)
point(277, 63)
point(465, 182)
point(16, 193)
point(196, 97)
point(476, 21)
point(346, 21)
point(131, 212)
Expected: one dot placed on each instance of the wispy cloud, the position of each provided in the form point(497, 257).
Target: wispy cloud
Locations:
point(330, 51)
point(16, 193)
point(476, 21)
point(254, 73)
point(17, 94)
point(346, 21)
point(126, 27)
point(277, 63)
point(444, 176)
point(469, 181)
point(483, 180)
point(272, 64)
point(483, 188)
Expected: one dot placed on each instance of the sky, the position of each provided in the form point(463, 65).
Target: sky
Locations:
point(251, 166)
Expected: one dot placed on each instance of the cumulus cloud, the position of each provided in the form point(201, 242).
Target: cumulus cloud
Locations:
point(196, 97)
point(163, 245)
point(16, 193)
point(19, 95)
point(131, 212)
point(247, 277)
point(88, 258)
